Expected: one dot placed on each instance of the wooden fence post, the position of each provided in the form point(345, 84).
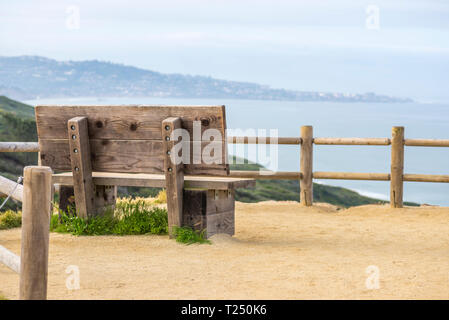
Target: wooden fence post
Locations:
point(35, 232)
point(306, 166)
point(397, 167)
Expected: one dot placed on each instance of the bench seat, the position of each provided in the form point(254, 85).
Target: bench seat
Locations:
point(157, 180)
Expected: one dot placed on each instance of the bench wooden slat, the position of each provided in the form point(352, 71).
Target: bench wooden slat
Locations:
point(133, 156)
point(157, 180)
point(107, 155)
point(140, 122)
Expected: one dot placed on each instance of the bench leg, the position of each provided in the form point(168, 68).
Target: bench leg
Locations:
point(212, 211)
point(174, 174)
point(104, 198)
point(66, 198)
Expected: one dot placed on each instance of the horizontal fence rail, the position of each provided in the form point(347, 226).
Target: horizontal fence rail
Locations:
point(19, 147)
point(353, 141)
point(351, 176)
point(426, 177)
point(10, 259)
point(264, 140)
point(10, 187)
point(426, 143)
point(267, 175)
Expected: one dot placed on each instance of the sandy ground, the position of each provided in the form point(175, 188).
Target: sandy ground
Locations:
point(280, 251)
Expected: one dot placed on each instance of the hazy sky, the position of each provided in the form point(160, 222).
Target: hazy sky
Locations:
point(392, 47)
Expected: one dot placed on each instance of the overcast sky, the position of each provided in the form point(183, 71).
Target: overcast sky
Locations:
point(392, 47)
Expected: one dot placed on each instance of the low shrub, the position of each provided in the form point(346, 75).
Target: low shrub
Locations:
point(188, 235)
point(10, 219)
point(161, 197)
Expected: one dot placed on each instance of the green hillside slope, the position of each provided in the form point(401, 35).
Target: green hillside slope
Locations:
point(20, 109)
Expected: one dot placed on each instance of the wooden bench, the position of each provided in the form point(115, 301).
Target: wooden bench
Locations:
point(109, 146)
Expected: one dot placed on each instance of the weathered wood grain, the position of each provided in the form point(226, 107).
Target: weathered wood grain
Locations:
point(353, 141)
point(266, 175)
point(80, 157)
point(158, 180)
point(35, 233)
point(174, 174)
point(397, 167)
point(427, 142)
point(220, 201)
point(126, 122)
point(426, 178)
point(132, 156)
point(264, 140)
point(107, 155)
point(351, 176)
point(209, 210)
point(306, 166)
point(221, 223)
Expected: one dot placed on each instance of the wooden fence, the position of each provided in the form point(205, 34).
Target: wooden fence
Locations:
point(36, 197)
point(306, 174)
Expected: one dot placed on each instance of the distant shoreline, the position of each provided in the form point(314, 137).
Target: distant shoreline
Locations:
point(31, 77)
point(41, 100)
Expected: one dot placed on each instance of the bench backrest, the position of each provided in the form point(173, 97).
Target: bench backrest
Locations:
point(126, 138)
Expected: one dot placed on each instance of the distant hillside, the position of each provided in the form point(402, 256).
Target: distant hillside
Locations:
point(29, 77)
point(17, 124)
point(16, 107)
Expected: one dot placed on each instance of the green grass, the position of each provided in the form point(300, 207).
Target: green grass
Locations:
point(2, 297)
point(189, 236)
point(10, 219)
point(128, 218)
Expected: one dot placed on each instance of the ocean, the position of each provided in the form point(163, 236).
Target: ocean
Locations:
point(330, 119)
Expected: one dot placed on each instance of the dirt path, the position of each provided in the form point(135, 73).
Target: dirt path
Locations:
point(281, 251)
